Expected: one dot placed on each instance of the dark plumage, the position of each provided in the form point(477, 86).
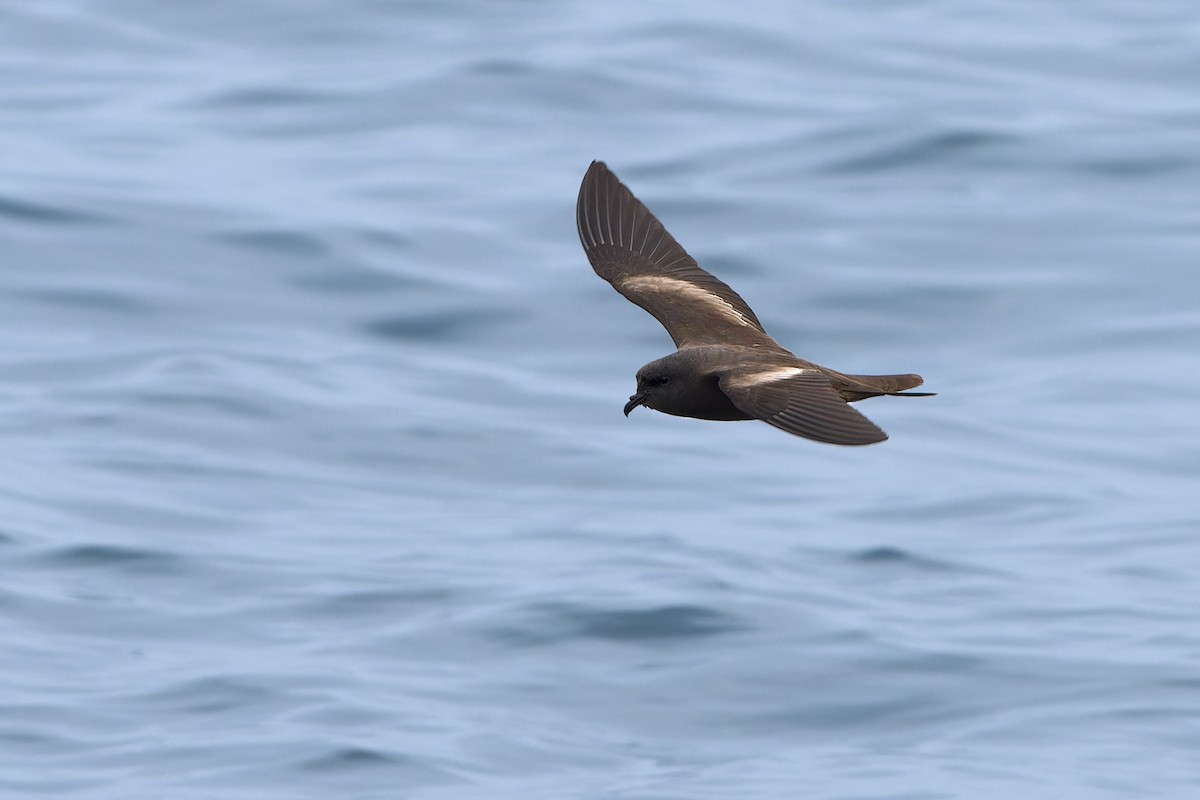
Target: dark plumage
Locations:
point(726, 367)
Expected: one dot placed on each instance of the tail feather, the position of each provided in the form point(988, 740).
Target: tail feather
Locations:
point(859, 387)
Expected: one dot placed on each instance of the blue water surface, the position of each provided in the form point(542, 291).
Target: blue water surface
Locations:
point(316, 482)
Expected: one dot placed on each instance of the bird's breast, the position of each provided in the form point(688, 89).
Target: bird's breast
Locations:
point(702, 399)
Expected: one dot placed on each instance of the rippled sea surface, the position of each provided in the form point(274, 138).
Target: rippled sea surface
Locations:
point(316, 483)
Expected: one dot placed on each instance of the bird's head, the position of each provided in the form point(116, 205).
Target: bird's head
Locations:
point(659, 383)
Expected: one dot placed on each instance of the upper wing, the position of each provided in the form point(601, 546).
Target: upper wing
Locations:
point(800, 401)
point(631, 249)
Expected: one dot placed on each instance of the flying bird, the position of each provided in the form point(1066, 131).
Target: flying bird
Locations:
point(726, 367)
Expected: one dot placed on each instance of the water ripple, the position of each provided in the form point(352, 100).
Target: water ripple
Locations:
point(42, 214)
point(558, 622)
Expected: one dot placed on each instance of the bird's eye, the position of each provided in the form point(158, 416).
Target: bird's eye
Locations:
point(660, 380)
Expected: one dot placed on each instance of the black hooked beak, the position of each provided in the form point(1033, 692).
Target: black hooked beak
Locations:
point(634, 402)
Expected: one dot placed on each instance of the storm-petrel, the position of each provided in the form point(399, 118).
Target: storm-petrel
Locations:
point(726, 367)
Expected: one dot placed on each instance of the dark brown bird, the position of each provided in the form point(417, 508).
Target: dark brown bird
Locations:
point(726, 367)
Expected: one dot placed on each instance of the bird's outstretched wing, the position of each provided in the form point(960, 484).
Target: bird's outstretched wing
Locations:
point(631, 249)
point(800, 401)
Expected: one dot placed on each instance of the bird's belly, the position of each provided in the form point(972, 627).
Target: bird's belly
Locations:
point(727, 414)
point(707, 401)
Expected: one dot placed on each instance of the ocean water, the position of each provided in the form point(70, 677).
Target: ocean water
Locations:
point(316, 483)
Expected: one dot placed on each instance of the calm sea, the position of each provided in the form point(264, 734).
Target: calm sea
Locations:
point(316, 483)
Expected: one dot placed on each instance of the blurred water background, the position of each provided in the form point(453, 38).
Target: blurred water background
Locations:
point(316, 483)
